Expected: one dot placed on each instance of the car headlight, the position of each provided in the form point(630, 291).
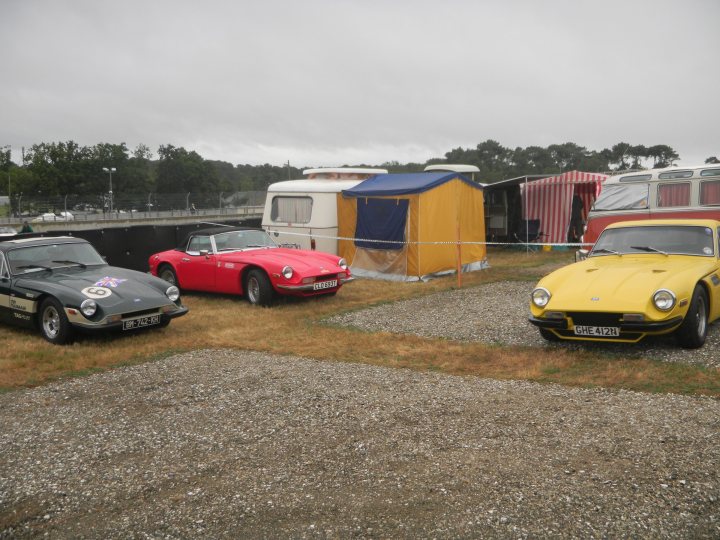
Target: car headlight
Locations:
point(88, 307)
point(173, 293)
point(541, 297)
point(664, 300)
point(342, 263)
point(287, 271)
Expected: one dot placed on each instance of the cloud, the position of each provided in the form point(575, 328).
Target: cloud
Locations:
point(337, 82)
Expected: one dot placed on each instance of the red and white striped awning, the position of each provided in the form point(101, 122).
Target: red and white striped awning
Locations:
point(550, 201)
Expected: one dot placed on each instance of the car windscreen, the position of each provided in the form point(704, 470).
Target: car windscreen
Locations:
point(235, 240)
point(49, 256)
point(665, 239)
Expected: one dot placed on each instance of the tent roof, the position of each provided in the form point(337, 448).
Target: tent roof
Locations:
point(403, 184)
point(570, 177)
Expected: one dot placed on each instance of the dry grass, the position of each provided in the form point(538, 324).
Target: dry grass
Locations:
point(293, 327)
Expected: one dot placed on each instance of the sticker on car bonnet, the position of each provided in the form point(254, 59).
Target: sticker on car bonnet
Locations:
point(96, 292)
point(109, 282)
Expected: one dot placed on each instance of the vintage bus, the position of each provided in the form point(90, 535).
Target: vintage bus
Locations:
point(675, 193)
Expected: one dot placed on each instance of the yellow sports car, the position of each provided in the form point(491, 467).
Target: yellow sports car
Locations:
point(641, 278)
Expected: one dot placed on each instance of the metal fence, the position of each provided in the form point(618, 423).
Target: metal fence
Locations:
point(126, 206)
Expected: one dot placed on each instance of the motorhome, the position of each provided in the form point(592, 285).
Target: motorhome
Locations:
point(471, 172)
point(678, 193)
point(303, 212)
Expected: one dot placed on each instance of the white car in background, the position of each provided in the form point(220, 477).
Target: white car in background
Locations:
point(49, 216)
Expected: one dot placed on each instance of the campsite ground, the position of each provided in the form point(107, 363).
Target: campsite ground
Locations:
point(237, 435)
point(228, 444)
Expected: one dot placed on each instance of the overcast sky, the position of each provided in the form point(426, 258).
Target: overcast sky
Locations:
point(327, 83)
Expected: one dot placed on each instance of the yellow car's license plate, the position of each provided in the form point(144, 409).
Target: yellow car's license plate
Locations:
point(597, 331)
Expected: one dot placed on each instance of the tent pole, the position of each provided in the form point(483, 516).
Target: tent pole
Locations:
point(527, 220)
point(459, 257)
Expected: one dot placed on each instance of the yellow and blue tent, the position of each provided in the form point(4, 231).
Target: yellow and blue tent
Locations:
point(412, 226)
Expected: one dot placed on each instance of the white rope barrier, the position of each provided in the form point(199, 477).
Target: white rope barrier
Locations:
point(405, 242)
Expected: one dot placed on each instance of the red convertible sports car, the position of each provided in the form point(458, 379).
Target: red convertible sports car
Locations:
point(236, 260)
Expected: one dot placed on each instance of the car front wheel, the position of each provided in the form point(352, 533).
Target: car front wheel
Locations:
point(258, 289)
point(692, 332)
point(168, 274)
point(54, 324)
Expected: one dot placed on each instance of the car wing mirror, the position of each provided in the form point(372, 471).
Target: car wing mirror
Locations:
point(205, 253)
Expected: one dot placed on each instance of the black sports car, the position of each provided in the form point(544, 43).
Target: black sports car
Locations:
point(62, 284)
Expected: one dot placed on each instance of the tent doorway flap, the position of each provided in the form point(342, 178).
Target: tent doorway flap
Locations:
point(381, 223)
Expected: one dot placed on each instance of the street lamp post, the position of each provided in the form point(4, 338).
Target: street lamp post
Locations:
point(8, 149)
point(110, 194)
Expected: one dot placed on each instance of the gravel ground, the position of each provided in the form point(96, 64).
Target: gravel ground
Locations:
point(497, 313)
point(228, 444)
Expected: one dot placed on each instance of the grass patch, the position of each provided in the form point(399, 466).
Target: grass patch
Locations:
point(292, 327)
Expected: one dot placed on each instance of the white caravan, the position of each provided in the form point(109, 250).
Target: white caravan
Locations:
point(304, 212)
point(471, 172)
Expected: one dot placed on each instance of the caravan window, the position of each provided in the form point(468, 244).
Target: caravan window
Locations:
point(291, 209)
point(710, 193)
point(673, 195)
point(622, 197)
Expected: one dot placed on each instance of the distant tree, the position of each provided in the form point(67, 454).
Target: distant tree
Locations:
point(539, 160)
point(638, 153)
point(180, 171)
point(61, 168)
point(620, 154)
point(567, 156)
point(712, 159)
point(662, 155)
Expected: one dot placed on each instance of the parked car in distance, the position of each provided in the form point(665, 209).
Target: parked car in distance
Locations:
point(641, 278)
point(7, 231)
point(62, 284)
point(248, 262)
point(49, 216)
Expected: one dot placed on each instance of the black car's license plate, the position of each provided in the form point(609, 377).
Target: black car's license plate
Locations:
point(141, 322)
point(319, 285)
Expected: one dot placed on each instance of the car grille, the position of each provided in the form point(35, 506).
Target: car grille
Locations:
point(133, 314)
point(589, 318)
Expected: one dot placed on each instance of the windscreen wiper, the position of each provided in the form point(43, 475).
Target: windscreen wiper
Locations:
point(603, 250)
point(649, 249)
point(74, 263)
point(28, 266)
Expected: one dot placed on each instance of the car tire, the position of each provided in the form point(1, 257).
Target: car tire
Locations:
point(53, 322)
point(167, 273)
point(548, 335)
point(692, 332)
point(258, 290)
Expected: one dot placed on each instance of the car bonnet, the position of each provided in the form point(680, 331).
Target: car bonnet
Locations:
point(610, 284)
point(109, 286)
point(303, 261)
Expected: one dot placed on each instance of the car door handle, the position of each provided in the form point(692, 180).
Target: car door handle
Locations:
point(185, 259)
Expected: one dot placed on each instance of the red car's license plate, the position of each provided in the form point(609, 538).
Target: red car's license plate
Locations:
point(319, 285)
point(142, 321)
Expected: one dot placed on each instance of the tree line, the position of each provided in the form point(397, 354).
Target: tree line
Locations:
point(62, 168)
